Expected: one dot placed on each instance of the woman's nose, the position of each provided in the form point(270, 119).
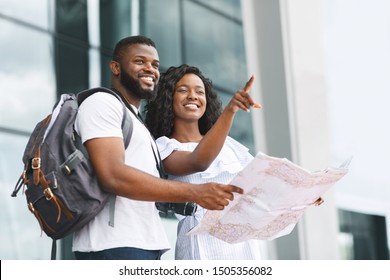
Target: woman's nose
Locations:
point(191, 95)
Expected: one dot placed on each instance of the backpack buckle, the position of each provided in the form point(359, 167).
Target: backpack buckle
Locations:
point(48, 193)
point(36, 163)
point(31, 207)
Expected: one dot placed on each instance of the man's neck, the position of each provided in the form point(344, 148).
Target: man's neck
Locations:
point(128, 97)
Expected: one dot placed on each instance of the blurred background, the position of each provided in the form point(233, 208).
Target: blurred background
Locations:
point(322, 71)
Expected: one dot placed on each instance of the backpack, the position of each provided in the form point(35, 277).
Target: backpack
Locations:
point(62, 190)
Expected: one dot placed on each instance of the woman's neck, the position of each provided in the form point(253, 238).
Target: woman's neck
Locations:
point(187, 132)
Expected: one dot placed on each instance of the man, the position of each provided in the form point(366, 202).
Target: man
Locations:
point(131, 173)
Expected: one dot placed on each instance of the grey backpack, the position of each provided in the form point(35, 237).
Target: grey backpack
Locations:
point(61, 188)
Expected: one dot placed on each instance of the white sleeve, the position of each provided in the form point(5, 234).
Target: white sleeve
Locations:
point(166, 146)
point(100, 115)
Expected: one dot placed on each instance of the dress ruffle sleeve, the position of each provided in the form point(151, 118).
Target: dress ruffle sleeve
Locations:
point(167, 146)
point(232, 159)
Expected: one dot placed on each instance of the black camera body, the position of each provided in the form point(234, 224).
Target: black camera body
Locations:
point(165, 208)
point(185, 209)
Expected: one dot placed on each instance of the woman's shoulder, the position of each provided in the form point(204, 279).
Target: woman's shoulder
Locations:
point(163, 140)
point(166, 146)
point(231, 142)
point(240, 151)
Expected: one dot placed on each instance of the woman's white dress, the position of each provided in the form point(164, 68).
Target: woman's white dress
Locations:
point(232, 159)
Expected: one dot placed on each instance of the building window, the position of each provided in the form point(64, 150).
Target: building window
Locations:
point(206, 34)
point(61, 57)
point(363, 236)
point(27, 78)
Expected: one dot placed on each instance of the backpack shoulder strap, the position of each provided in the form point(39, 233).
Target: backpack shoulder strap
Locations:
point(127, 124)
point(127, 130)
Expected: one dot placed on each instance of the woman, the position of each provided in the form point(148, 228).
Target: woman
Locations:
point(191, 130)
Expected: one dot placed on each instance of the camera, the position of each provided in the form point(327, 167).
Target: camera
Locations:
point(185, 209)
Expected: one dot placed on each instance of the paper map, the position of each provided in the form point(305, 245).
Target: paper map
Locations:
point(276, 194)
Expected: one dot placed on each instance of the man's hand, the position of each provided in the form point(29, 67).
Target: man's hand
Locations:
point(215, 196)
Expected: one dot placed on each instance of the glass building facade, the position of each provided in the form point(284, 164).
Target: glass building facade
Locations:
point(51, 47)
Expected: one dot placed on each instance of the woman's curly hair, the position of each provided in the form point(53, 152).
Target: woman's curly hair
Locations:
point(159, 112)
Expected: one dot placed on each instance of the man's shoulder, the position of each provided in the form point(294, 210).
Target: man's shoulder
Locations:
point(101, 99)
point(102, 95)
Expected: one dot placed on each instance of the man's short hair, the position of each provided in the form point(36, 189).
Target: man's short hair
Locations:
point(131, 40)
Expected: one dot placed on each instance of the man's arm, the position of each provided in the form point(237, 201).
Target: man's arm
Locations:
point(107, 157)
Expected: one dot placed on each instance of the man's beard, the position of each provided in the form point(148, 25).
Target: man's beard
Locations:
point(135, 88)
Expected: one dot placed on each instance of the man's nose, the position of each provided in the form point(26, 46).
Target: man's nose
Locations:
point(149, 66)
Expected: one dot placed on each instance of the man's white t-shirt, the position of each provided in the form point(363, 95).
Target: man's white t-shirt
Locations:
point(137, 223)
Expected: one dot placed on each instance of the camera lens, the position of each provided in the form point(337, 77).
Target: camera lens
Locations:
point(185, 209)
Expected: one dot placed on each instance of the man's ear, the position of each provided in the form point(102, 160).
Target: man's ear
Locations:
point(115, 69)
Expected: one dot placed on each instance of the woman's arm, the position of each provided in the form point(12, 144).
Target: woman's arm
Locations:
point(181, 163)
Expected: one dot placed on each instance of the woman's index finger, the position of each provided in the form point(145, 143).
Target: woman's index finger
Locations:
point(249, 83)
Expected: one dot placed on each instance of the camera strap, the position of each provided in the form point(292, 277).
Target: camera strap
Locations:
point(155, 150)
